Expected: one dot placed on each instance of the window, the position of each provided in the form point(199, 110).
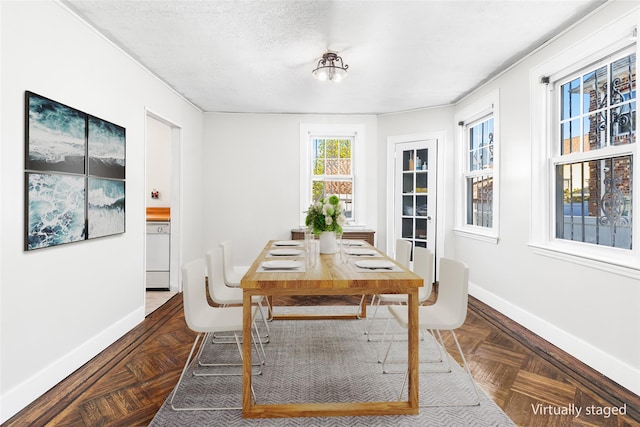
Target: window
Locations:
point(583, 157)
point(593, 165)
point(478, 179)
point(332, 170)
point(331, 162)
point(479, 174)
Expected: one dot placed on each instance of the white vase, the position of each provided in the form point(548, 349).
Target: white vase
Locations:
point(328, 244)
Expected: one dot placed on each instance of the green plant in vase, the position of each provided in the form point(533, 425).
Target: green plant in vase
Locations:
point(327, 214)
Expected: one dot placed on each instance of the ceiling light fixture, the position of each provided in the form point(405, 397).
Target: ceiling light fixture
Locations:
point(330, 68)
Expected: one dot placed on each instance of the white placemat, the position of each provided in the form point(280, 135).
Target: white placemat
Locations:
point(364, 252)
point(283, 252)
point(281, 266)
point(281, 243)
point(375, 266)
point(349, 242)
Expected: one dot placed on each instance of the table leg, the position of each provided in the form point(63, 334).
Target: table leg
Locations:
point(270, 300)
point(246, 353)
point(363, 308)
point(413, 349)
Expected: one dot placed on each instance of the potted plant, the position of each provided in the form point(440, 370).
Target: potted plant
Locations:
point(326, 218)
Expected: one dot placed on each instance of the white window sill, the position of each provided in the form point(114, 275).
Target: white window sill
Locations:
point(623, 267)
point(476, 235)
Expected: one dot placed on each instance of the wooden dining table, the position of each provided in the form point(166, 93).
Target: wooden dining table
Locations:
point(331, 275)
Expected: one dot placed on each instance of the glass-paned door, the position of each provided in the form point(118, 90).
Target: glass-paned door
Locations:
point(415, 193)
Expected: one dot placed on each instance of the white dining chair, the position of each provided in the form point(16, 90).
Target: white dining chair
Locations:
point(424, 270)
point(205, 320)
point(446, 314)
point(232, 276)
point(224, 295)
point(403, 252)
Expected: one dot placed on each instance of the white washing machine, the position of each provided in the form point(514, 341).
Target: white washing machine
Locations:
point(158, 255)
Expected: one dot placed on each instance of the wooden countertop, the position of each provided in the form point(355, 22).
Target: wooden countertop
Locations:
point(158, 214)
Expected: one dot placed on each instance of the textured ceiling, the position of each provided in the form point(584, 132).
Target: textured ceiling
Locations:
point(257, 55)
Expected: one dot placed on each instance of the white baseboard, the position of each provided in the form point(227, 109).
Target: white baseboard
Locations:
point(14, 400)
point(620, 372)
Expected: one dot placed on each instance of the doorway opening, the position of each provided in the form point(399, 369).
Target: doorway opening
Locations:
point(162, 206)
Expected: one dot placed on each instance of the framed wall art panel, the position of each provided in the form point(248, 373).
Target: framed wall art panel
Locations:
point(74, 174)
point(105, 212)
point(106, 148)
point(56, 136)
point(56, 209)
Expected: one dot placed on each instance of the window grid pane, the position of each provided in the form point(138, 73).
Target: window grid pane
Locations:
point(598, 108)
point(595, 206)
point(481, 146)
point(480, 201)
point(332, 171)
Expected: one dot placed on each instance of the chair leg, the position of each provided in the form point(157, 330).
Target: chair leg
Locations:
point(265, 317)
point(227, 339)
point(466, 367)
point(190, 358)
point(259, 351)
point(467, 371)
point(253, 393)
point(184, 370)
point(422, 335)
point(256, 340)
point(269, 317)
point(384, 337)
point(374, 301)
point(386, 355)
point(359, 310)
point(368, 321)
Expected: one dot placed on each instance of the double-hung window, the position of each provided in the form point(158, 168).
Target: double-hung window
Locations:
point(332, 170)
point(584, 152)
point(479, 174)
point(331, 163)
point(594, 154)
point(478, 183)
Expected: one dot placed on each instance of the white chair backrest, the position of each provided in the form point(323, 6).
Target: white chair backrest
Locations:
point(423, 267)
point(227, 259)
point(215, 272)
point(195, 293)
point(453, 289)
point(403, 252)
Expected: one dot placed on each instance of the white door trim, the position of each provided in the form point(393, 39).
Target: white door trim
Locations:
point(392, 142)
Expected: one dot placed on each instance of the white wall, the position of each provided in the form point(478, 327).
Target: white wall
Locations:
point(158, 164)
point(590, 313)
point(252, 174)
point(60, 306)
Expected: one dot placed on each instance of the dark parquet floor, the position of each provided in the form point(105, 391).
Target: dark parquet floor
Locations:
point(528, 378)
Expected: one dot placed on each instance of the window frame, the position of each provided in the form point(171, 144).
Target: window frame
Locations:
point(308, 132)
point(324, 178)
point(613, 41)
point(481, 111)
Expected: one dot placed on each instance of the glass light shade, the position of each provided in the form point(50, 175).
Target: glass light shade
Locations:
point(330, 68)
point(330, 73)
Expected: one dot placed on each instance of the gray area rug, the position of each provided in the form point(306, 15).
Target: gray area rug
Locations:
point(328, 361)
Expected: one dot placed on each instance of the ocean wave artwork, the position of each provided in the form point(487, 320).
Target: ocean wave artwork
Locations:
point(106, 148)
point(74, 174)
point(56, 212)
point(55, 136)
point(106, 207)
